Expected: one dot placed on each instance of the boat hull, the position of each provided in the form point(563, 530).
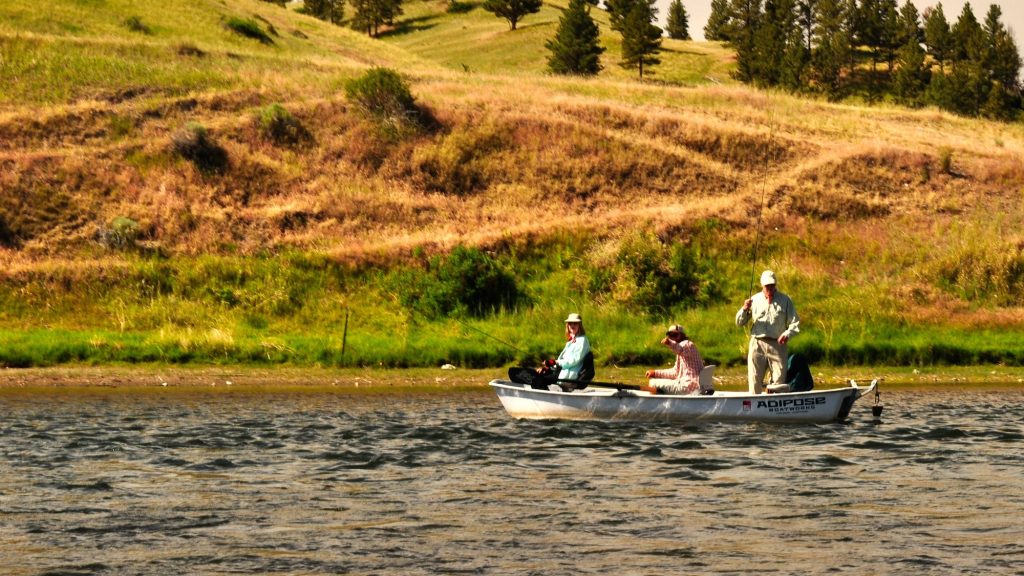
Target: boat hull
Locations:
point(816, 406)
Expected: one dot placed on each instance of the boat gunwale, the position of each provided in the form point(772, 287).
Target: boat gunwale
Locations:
point(600, 391)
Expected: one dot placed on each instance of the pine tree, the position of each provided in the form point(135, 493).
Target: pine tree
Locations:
point(619, 9)
point(332, 11)
point(911, 76)
point(641, 40)
point(999, 106)
point(792, 74)
point(1003, 63)
point(831, 47)
point(968, 87)
point(719, 22)
point(1004, 60)
point(371, 14)
point(968, 37)
point(746, 20)
point(891, 30)
point(575, 48)
point(678, 25)
point(937, 35)
point(512, 10)
point(807, 19)
point(771, 41)
point(870, 28)
point(938, 91)
point(851, 15)
point(992, 26)
point(909, 24)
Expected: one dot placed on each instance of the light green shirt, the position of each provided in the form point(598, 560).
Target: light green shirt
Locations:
point(571, 358)
point(771, 320)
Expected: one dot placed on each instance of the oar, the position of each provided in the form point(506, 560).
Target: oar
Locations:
point(615, 385)
point(528, 376)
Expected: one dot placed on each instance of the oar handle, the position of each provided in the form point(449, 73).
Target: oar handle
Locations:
point(521, 375)
point(615, 385)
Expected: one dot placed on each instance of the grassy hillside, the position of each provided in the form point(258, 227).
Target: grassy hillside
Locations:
point(897, 232)
point(108, 51)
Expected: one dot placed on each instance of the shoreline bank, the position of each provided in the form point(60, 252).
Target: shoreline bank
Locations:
point(424, 380)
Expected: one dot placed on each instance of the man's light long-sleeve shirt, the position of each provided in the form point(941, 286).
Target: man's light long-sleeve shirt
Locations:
point(770, 319)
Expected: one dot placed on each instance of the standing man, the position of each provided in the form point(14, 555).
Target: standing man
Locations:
point(775, 322)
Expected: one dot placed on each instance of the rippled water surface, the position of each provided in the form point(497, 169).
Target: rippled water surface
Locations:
point(321, 483)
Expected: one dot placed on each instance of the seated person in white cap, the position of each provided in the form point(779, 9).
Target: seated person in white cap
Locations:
point(684, 377)
point(774, 323)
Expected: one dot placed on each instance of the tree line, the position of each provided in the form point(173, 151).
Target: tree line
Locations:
point(876, 48)
point(367, 15)
point(574, 49)
point(839, 48)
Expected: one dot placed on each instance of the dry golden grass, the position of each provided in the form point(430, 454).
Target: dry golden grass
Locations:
point(515, 155)
point(504, 153)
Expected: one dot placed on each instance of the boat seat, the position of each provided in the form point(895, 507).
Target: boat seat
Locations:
point(707, 380)
point(587, 371)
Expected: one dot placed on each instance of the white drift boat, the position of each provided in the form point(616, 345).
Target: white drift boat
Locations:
point(605, 403)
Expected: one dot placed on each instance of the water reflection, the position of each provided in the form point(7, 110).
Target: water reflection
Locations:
point(327, 484)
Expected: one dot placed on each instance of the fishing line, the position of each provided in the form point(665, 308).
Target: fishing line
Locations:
point(760, 213)
point(764, 185)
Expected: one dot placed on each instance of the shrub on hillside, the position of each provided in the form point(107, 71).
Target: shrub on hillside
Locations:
point(195, 144)
point(189, 49)
point(946, 160)
point(457, 7)
point(248, 28)
point(984, 274)
point(651, 276)
point(120, 126)
point(278, 125)
point(384, 96)
point(121, 234)
point(465, 282)
point(7, 237)
point(458, 163)
point(135, 24)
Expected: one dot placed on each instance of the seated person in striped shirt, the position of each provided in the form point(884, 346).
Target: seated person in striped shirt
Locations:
point(684, 377)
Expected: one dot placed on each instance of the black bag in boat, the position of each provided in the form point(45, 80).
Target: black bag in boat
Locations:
point(798, 374)
point(532, 378)
point(543, 379)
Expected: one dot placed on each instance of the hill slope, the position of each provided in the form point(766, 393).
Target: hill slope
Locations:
point(879, 217)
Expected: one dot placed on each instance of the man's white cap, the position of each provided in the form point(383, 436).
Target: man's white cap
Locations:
point(767, 277)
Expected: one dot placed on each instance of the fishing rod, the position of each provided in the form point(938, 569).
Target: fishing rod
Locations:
point(760, 213)
point(760, 208)
point(492, 337)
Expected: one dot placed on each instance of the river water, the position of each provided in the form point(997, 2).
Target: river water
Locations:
point(326, 483)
